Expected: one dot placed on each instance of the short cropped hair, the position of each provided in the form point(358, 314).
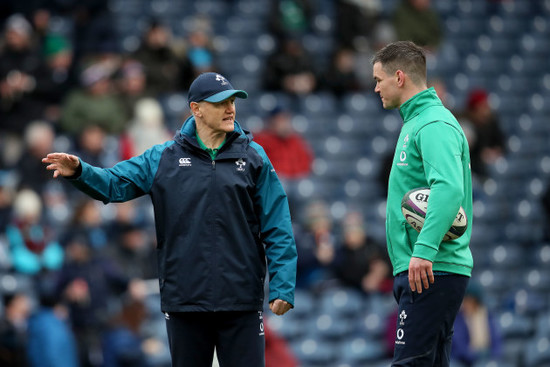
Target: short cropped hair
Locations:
point(405, 56)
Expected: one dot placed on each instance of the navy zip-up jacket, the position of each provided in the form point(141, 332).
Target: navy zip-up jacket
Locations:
point(212, 218)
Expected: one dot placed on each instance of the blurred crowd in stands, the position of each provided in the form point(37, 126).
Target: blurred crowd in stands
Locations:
point(78, 277)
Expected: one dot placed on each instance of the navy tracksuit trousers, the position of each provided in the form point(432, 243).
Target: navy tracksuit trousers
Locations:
point(425, 321)
point(238, 338)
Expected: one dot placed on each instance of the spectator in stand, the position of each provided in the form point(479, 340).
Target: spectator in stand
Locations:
point(6, 199)
point(356, 21)
point(39, 138)
point(164, 70)
point(91, 143)
point(417, 21)
point(51, 342)
point(132, 86)
point(90, 284)
point(200, 52)
point(95, 104)
point(32, 248)
point(290, 18)
point(133, 252)
point(316, 247)
point(13, 329)
point(476, 337)
point(289, 153)
point(54, 76)
point(360, 262)
point(290, 69)
point(486, 138)
point(146, 129)
point(19, 62)
point(87, 222)
point(122, 343)
point(341, 77)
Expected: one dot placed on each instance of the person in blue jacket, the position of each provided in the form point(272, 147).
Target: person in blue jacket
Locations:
point(220, 213)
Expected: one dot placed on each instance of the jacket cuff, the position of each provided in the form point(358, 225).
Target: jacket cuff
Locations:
point(77, 173)
point(424, 252)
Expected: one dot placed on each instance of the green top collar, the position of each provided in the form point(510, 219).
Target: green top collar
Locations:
point(212, 152)
point(417, 103)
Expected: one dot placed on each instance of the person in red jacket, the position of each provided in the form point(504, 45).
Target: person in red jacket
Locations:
point(287, 150)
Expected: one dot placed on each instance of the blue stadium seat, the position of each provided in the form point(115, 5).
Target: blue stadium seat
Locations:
point(312, 351)
point(513, 350)
point(512, 325)
point(372, 325)
point(527, 302)
point(360, 351)
point(542, 324)
point(330, 326)
point(290, 328)
point(494, 363)
point(343, 302)
point(507, 256)
point(537, 353)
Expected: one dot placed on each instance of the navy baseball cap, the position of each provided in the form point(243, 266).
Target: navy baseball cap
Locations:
point(212, 87)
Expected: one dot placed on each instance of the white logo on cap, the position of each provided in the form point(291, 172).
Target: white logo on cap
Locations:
point(220, 78)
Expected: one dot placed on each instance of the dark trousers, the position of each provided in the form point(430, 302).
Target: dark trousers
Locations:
point(425, 321)
point(237, 336)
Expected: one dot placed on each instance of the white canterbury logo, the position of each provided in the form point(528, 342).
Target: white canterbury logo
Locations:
point(185, 162)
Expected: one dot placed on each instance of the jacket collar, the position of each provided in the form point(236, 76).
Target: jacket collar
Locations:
point(418, 103)
point(187, 135)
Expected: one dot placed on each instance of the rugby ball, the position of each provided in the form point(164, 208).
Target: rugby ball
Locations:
point(415, 205)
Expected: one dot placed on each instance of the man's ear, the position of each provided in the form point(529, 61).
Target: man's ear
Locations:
point(195, 109)
point(400, 78)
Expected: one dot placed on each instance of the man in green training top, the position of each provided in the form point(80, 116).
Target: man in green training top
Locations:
point(430, 275)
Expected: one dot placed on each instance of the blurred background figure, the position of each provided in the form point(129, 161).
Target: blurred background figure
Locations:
point(54, 77)
point(33, 246)
point(417, 21)
point(164, 70)
point(7, 193)
point(50, 339)
point(134, 252)
point(356, 21)
point(39, 139)
point(200, 52)
point(315, 244)
point(487, 142)
point(92, 143)
point(341, 77)
point(287, 150)
point(476, 336)
point(122, 342)
point(131, 85)
point(13, 329)
point(146, 129)
point(359, 261)
point(94, 104)
point(19, 62)
point(290, 18)
point(88, 223)
point(88, 283)
point(290, 69)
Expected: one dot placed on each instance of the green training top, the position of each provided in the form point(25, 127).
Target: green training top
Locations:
point(212, 152)
point(432, 151)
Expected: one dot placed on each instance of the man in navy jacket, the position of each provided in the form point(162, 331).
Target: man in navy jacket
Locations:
point(220, 212)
